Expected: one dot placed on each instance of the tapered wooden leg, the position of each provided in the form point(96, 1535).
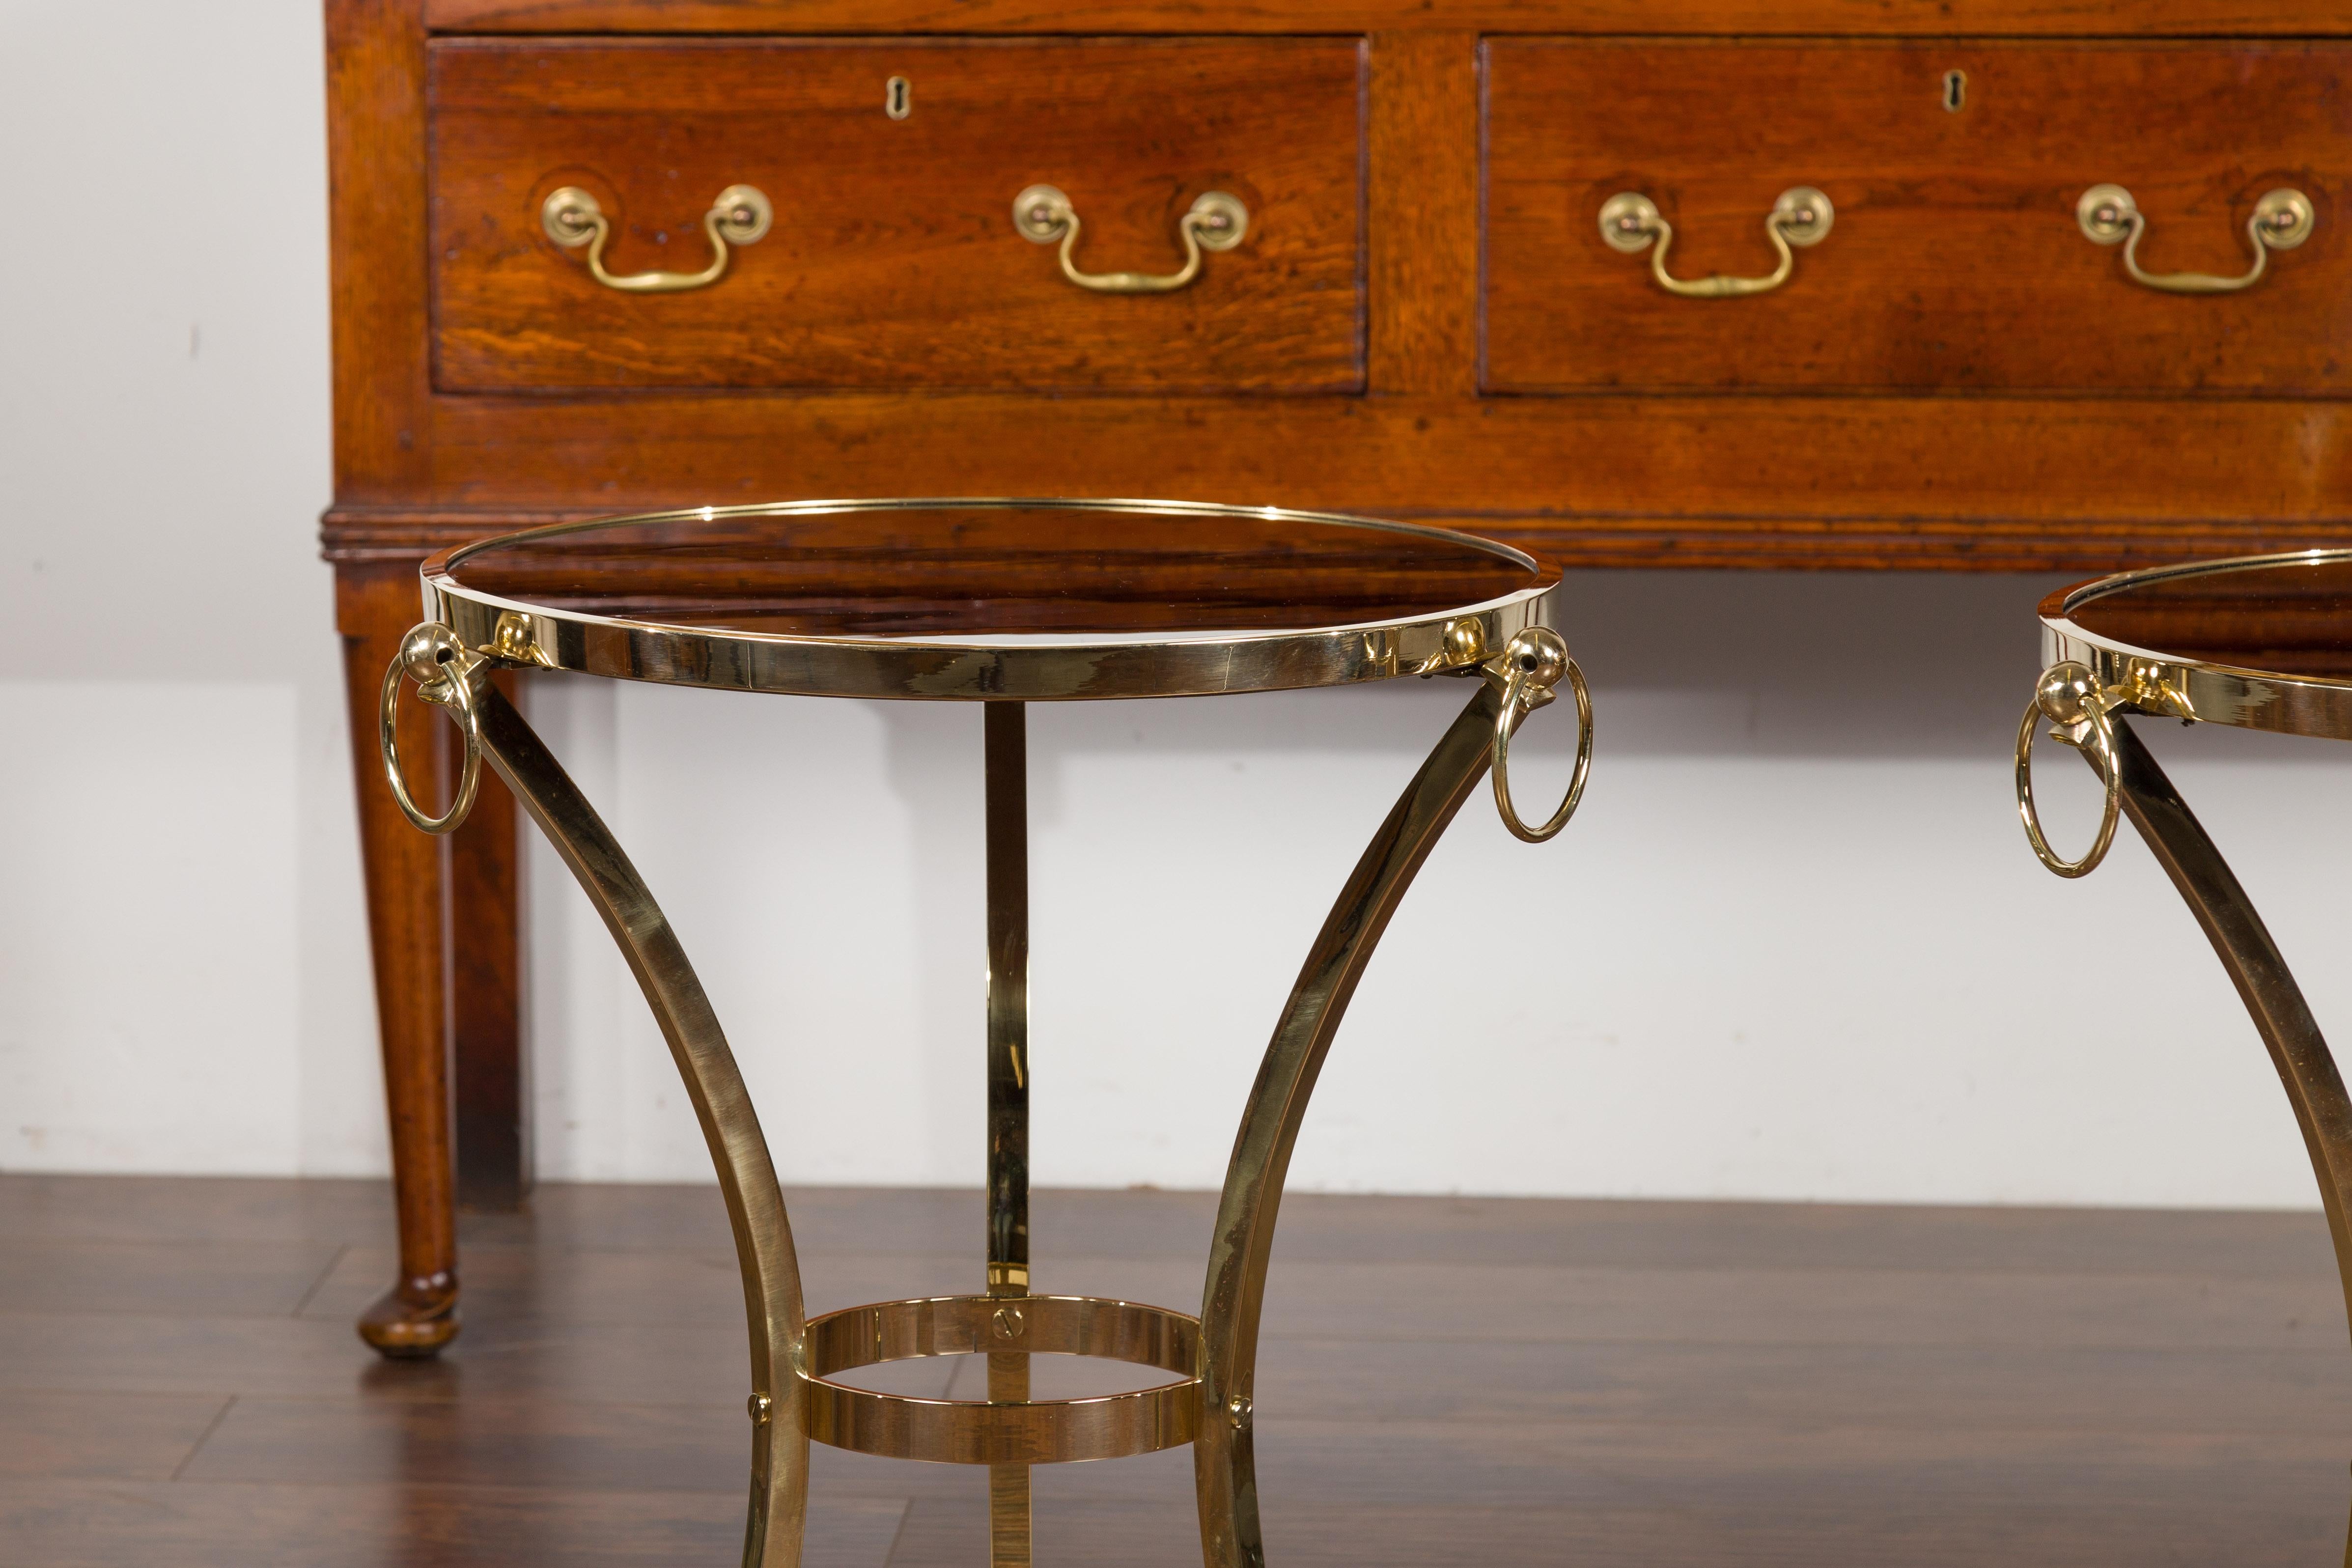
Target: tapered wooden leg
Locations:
point(375, 603)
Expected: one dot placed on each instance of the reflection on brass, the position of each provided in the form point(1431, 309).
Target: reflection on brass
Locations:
point(572, 219)
point(1004, 771)
point(1008, 1434)
point(431, 656)
point(1224, 1461)
point(1028, 667)
point(2070, 697)
point(1801, 217)
point(1215, 221)
point(2282, 220)
point(747, 1177)
point(796, 1395)
point(1526, 671)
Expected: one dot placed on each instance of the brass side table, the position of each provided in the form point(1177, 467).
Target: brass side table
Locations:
point(2263, 642)
point(1003, 602)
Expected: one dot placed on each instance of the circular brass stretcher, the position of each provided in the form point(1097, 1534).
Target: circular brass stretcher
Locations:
point(1003, 603)
point(993, 1432)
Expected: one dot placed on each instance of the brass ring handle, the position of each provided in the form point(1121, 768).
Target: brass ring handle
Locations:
point(571, 217)
point(1215, 221)
point(431, 656)
point(2068, 695)
point(2282, 220)
point(1532, 663)
point(1631, 222)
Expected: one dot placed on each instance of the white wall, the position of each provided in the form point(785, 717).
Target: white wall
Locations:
point(1794, 946)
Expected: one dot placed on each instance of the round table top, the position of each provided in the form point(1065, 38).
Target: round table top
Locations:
point(2263, 642)
point(963, 598)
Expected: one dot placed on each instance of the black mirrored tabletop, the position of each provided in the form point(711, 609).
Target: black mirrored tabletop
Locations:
point(2263, 642)
point(990, 598)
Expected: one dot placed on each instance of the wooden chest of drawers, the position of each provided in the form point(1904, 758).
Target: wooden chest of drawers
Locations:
point(1337, 254)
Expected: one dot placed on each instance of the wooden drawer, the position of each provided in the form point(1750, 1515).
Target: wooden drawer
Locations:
point(893, 259)
point(1955, 261)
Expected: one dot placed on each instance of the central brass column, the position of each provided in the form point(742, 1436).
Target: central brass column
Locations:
point(1005, 762)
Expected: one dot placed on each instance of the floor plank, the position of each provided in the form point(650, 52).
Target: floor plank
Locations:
point(1490, 1381)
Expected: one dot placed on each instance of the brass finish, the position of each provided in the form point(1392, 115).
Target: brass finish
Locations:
point(2282, 220)
point(1033, 667)
point(572, 219)
point(2306, 1066)
point(747, 1177)
point(1800, 216)
point(2071, 697)
point(1005, 741)
point(2170, 685)
point(794, 1395)
point(1215, 221)
point(1224, 1464)
point(431, 656)
point(1526, 671)
point(1005, 1434)
point(2194, 690)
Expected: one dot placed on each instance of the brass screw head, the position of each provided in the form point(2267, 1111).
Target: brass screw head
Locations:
point(1006, 1323)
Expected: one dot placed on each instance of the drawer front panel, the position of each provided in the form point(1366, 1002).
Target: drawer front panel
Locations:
point(892, 259)
point(1954, 258)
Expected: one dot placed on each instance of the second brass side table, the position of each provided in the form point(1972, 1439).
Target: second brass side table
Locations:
point(2261, 642)
point(1003, 603)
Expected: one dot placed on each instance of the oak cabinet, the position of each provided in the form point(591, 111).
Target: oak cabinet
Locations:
point(1365, 271)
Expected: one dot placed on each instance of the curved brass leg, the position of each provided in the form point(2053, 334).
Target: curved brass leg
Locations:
point(2304, 1066)
point(763, 1240)
point(1223, 1458)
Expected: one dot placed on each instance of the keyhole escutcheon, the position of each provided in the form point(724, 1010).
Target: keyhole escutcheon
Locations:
point(1956, 90)
point(896, 99)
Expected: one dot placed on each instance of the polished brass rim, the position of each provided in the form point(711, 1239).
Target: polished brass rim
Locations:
point(2168, 685)
point(1003, 1432)
point(1015, 667)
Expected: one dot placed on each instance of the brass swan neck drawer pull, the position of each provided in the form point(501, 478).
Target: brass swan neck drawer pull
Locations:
point(2283, 220)
point(572, 218)
point(1215, 221)
point(1630, 221)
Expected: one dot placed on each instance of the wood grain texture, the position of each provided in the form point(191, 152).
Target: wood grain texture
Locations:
point(1425, 212)
point(1700, 1394)
point(894, 260)
point(376, 224)
point(1696, 18)
point(2006, 484)
point(1955, 263)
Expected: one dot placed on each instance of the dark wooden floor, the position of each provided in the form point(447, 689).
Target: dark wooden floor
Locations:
point(1490, 1382)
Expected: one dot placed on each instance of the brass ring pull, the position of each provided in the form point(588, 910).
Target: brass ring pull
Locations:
point(2283, 220)
point(571, 217)
point(1216, 221)
point(2068, 695)
point(431, 656)
point(1533, 663)
point(1631, 221)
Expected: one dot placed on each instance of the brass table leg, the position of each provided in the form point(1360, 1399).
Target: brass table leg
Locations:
point(794, 1398)
point(1224, 1465)
point(2314, 1086)
point(755, 1205)
point(1005, 765)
